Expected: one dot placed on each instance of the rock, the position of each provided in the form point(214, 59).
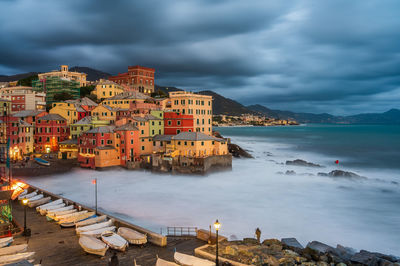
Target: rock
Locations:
point(340, 173)
point(290, 253)
point(322, 263)
point(373, 258)
point(341, 264)
point(299, 162)
point(275, 248)
point(290, 172)
point(287, 261)
point(291, 242)
point(231, 250)
point(320, 247)
point(251, 241)
point(280, 173)
point(237, 151)
point(322, 174)
point(270, 260)
point(269, 242)
point(344, 253)
point(246, 253)
point(310, 254)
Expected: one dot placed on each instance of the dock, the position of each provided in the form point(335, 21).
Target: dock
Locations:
point(54, 245)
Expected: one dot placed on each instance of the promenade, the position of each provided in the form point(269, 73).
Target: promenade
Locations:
point(59, 246)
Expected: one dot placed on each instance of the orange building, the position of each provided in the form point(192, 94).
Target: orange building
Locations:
point(137, 78)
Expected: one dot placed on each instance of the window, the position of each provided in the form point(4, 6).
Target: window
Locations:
point(202, 143)
point(185, 143)
point(178, 122)
point(178, 131)
point(131, 141)
point(169, 122)
point(142, 148)
point(179, 143)
point(192, 143)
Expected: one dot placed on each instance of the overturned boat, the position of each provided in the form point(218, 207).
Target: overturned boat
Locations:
point(8, 259)
point(94, 226)
point(38, 202)
point(4, 242)
point(114, 240)
point(188, 260)
point(55, 202)
point(132, 236)
point(90, 221)
point(97, 232)
point(13, 249)
point(93, 245)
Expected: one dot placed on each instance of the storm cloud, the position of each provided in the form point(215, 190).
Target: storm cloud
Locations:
point(339, 56)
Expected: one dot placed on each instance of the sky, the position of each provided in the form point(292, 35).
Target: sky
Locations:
point(335, 56)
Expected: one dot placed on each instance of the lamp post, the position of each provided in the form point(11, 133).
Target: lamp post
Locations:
point(27, 231)
point(217, 225)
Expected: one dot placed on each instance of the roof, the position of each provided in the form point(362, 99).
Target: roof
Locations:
point(109, 108)
point(107, 82)
point(163, 137)
point(195, 136)
point(25, 124)
point(26, 113)
point(139, 118)
point(103, 129)
point(52, 117)
point(87, 120)
point(82, 101)
point(79, 108)
point(152, 117)
point(126, 127)
point(108, 147)
point(130, 95)
point(69, 141)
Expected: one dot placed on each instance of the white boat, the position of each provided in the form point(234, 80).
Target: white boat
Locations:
point(6, 241)
point(93, 245)
point(161, 262)
point(50, 217)
point(38, 196)
point(94, 226)
point(45, 210)
point(76, 217)
point(90, 221)
point(51, 203)
point(8, 259)
point(98, 232)
point(38, 202)
point(62, 211)
point(114, 240)
point(13, 249)
point(27, 196)
point(66, 216)
point(133, 237)
point(188, 260)
point(71, 223)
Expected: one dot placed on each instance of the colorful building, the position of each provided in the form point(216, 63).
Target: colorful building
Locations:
point(24, 98)
point(156, 123)
point(80, 78)
point(137, 78)
point(70, 111)
point(129, 145)
point(86, 124)
point(55, 85)
point(175, 123)
point(68, 149)
point(200, 106)
point(146, 141)
point(127, 99)
point(50, 130)
point(21, 138)
point(105, 112)
point(106, 89)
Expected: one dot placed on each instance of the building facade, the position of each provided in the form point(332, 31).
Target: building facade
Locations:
point(137, 78)
point(50, 130)
point(24, 98)
point(106, 89)
point(54, 86)
point(175, 123)
point(66, 74)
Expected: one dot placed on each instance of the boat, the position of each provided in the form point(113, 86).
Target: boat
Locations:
point(27, 196)
point(8, 259)
point(98, 232)
point(90, 221)
point(45, 210)
point(77, 219)
point(53, 215)
point(13, 249)
point(114, 240)
point(133, 237)
point(51, 203)
point(93, 245)
point(6, 241)
point(161, 262)
point(66, 216)
point(42, 161)
point(54, 212)
point(94, 226)
point(38, 202)
point(188, 260)
point(36, 197)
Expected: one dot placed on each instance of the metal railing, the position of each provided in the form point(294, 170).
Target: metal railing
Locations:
point(181, 231)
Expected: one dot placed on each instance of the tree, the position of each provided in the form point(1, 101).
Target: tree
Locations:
point(87, 90)
point(27, 81)
point(159, 94)
point(62, 96)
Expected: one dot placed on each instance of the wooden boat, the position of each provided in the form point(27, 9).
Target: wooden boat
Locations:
point(6, 241)
point(61, 211)
point(114, 240)
point(59, 208)
point(8, 259)
point(53, 215)
point(188, 260)
point(161, 262)
point(132, 236)
point(90, 221)
point(66, 216)
point(38, 202)
point(94, 226)
point(76, 217)
point(27, 196)
point(51, 203)
point(13, 249)
point(38, 196)
point(97, 232)
point(45, 210)
point(42, 161)
point(93, 245)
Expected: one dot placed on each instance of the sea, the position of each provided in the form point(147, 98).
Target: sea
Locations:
point(362, 213)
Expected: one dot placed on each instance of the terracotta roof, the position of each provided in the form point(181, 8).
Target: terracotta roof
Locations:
point(195, 136)
point(52, 117)
point(26, 113)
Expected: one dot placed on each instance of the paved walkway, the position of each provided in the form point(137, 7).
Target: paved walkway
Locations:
point(59, 246)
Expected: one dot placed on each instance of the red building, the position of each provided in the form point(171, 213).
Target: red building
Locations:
point(137, 78)
point(128, 135)
point(175, 123)
point(50, 130)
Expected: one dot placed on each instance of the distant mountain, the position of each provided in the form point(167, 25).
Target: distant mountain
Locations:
point(4, 78)
point(92, 74)
point(165, 88)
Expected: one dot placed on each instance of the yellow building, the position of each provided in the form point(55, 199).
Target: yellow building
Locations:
point(200, 106)
point(145, 140)
point(106, 89)
point(68, 149)
point(125, 99)
point(190, 144)
point(106, 156)
point(64, 73)
point(86, 124)
point(105, 112)
point(67, 110)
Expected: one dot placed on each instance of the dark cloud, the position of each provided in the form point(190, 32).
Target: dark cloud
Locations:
point(317, 56)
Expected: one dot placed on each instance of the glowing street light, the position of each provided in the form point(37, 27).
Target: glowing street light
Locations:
point(27, 231)
point(217, 225)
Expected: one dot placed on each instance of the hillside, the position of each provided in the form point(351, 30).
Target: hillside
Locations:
point(92, 74)
point(5, 78)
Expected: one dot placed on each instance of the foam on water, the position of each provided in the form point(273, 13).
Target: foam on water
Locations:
point(359, 214)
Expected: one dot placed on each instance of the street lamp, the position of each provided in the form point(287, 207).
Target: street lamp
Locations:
point(217, 225)
point(27, 231)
